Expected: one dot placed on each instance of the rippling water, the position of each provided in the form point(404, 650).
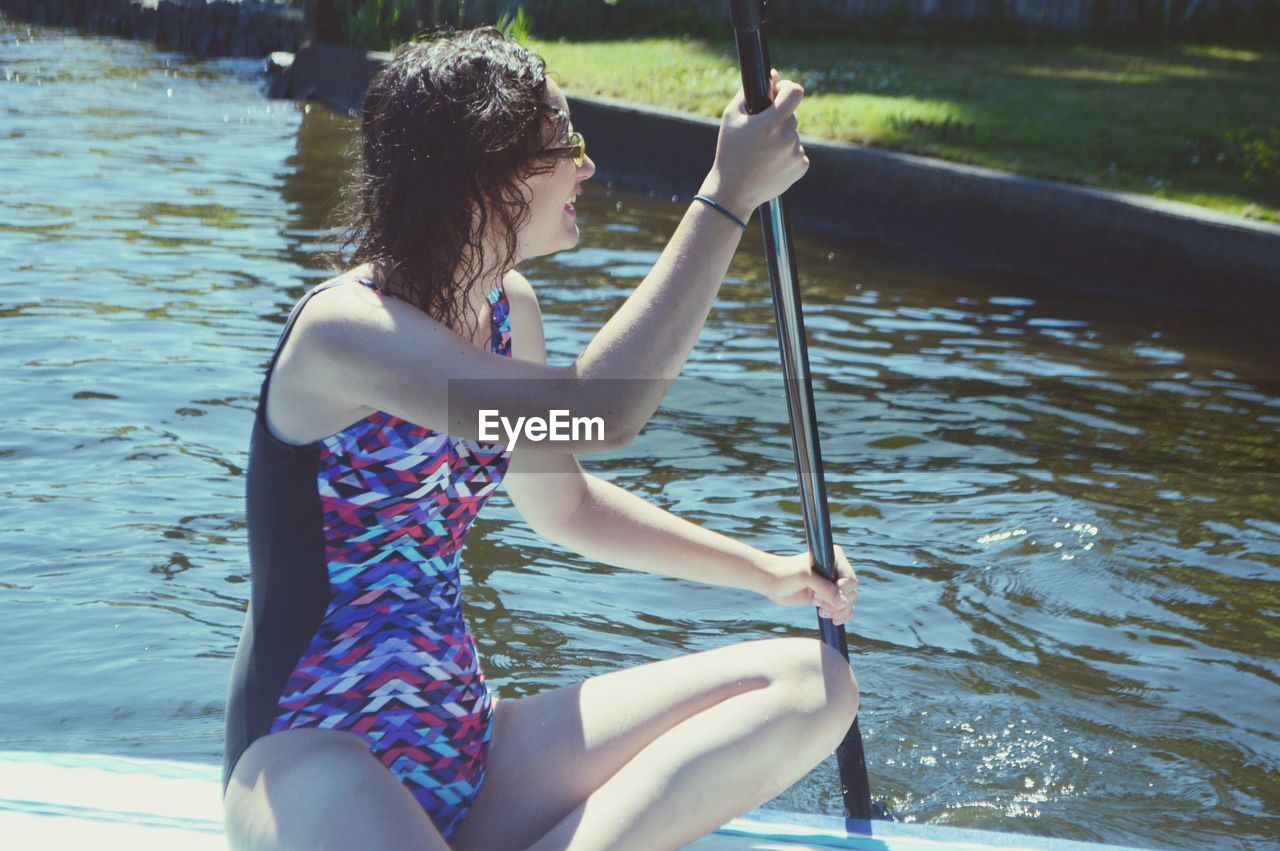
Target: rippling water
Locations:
point(1064, 510)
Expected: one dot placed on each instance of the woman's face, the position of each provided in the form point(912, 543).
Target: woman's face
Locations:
point(552, 224)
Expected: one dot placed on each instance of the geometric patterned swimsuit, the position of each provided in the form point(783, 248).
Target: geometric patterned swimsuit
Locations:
point(355, 619)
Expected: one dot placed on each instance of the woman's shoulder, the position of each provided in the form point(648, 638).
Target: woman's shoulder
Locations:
point(343, 314)
point(528, 339)
point(517, 288)
point(349, 315)
point(354, 296)
point(343, 281)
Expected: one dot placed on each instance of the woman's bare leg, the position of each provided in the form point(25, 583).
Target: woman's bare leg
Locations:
point(316, 790)
point(654, 756)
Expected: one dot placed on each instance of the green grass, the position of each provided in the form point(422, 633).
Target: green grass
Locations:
point(1194, 123)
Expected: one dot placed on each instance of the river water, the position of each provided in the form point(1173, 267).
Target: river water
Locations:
point(1063, 508)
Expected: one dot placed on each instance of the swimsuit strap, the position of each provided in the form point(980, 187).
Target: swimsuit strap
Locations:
point(497, 293)
point(499, 326)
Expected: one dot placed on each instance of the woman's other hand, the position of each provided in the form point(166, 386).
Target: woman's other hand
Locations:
point(758, 157)
point(792, 581)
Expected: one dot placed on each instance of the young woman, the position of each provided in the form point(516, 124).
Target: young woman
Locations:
point(358, 716)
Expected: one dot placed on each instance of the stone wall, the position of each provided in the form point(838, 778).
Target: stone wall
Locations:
point(213, 28)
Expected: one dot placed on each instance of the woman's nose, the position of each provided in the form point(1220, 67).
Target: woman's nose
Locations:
point(589, 165)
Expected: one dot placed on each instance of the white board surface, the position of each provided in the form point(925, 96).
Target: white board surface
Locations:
point(55, 801)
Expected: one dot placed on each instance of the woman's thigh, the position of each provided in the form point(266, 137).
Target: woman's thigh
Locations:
point(551, 750)
point(321, 789)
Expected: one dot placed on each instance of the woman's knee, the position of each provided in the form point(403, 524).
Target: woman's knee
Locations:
point(817, 678)
point(840, 683)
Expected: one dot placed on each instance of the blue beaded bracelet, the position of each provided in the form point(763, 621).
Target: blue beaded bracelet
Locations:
point(739, 222)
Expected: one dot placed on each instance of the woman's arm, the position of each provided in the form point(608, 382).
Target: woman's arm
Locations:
point(617, 527)
point(603, 522)
point(607, 524)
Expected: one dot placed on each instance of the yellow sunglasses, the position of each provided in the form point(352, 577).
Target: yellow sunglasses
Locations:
point(576, 150)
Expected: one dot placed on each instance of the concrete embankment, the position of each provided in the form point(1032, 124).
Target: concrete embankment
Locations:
point(1063, 235)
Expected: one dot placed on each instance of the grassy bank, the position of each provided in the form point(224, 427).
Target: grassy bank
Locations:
point(1192, 123)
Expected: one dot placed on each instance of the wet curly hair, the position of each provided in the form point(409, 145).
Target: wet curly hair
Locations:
point(450, 127)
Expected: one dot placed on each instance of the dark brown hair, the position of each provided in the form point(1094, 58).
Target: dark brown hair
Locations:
point(449, 129)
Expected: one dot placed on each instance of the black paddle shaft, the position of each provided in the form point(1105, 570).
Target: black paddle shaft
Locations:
point(753, 57)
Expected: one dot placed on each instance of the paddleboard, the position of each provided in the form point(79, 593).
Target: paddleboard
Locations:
point(72, 801)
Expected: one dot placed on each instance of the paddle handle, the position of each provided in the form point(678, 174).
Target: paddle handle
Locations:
point(775, 224)
point(753, 57)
